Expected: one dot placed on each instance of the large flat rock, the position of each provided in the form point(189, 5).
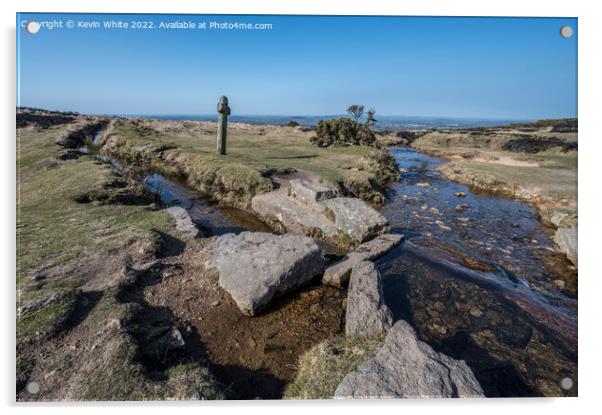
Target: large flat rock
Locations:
point(338, 273)
point(256, 267)
point(308, 208)
point(356, 218)
point(366, 310)
point(406, 367)
point(296, 216)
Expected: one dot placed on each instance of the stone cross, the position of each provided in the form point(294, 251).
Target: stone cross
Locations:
point(222, 124)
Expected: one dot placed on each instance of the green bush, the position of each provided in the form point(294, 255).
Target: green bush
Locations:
point(342, 131)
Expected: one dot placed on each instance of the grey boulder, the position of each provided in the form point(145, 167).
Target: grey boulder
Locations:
point(366, 311)
point(295, 215)
point(256, 267)
point(309, 193)
point(356, 218)
point(566, 240)
point(406, 367)
point(183, 221)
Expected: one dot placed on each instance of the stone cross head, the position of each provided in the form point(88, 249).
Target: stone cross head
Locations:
point(222, 106)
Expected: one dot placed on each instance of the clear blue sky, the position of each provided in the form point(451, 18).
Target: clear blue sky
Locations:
point(511, 68)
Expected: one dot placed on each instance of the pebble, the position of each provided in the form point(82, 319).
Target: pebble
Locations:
point(460, 208)
point(442, 225)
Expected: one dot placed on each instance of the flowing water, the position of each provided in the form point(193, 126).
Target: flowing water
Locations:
point(475, 278)
point(210, 218)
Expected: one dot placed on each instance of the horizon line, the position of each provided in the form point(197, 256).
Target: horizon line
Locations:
point(451, 117)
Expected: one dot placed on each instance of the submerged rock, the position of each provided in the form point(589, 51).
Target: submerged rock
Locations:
point(566, 240)
point(256, 267)
point(406, 367)
point(183, 221)
point(338, 273)
point(366, 311)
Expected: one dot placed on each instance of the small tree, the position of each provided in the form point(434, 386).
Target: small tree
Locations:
point(370, 120)
point(356, 111)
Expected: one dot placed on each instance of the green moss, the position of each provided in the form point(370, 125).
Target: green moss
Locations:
point(330, 214)
point(322, 368)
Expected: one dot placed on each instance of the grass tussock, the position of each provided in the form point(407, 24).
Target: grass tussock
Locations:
point(115, 369)
point(322, 368)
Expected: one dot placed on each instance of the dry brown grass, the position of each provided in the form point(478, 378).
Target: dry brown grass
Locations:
point(322, 368)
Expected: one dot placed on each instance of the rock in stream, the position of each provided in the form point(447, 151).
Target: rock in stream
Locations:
point(366, 309)
point(406, 367)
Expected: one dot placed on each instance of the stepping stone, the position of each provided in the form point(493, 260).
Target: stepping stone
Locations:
point(406, 367)
point(366, 310)
point(338, 273)
point(183, 221)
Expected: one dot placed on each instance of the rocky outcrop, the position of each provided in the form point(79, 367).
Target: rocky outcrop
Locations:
point(566, 240)
point(306, 208)
point(366, 311)
point(256, 267)
point(183, 221)
point(338, 273)
point(406, 367)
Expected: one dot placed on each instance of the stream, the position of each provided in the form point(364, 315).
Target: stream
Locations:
point(475, 277)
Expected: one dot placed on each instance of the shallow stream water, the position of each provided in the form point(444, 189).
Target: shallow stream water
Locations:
point(475, 276)
point(210, 218)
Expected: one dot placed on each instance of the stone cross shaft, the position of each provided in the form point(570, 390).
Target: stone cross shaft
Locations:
point(222, 124)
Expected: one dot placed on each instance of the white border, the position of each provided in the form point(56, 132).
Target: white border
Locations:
point(590, 137)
